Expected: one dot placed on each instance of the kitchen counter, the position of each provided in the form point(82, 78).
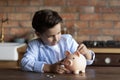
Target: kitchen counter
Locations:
point(106, 50)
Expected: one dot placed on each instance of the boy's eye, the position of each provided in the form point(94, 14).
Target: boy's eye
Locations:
point(59, 32)
point(53, 35)
point(49, 36)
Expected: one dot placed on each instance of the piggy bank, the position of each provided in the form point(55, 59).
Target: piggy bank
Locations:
point(75, 62)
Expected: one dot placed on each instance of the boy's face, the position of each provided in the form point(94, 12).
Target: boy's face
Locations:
point(52, 36)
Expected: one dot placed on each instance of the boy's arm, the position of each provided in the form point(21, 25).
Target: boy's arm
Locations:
point(85, 51)
point(88, 55)
point(47, 68)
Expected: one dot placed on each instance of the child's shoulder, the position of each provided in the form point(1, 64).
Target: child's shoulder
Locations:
point(34, 41)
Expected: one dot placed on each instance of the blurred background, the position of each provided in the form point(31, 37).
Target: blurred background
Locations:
point(96, 23)
point(91, 20)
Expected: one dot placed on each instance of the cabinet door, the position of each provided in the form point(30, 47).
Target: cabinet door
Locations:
point(107, 59)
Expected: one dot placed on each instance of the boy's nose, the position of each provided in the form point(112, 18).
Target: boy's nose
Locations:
point(55, 38)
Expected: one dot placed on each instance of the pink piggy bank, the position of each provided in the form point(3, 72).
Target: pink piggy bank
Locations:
point(75, 62)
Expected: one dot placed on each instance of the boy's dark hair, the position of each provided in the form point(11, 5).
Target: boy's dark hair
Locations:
point(45, 19)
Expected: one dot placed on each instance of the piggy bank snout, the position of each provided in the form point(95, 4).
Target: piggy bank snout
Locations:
point(68, 62)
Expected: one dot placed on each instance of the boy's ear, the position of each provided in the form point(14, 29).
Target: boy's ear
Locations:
point(37, 33)
point(77, 53)
point(67, 53)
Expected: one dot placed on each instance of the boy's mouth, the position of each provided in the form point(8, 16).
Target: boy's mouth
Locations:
point(54, 43)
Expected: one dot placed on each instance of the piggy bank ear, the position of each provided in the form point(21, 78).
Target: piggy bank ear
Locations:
point(77, 53)
point(67, 53)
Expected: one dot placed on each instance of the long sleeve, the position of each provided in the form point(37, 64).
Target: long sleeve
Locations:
point(89, 62)
point(30, 60)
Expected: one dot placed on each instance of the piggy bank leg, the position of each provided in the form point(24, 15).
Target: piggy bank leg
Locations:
point(76, 72)
point(83, 74)
point(83, 71)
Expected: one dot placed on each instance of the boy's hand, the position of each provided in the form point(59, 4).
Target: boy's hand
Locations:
point(85, 51)
point(59, 68)
point(55, 68)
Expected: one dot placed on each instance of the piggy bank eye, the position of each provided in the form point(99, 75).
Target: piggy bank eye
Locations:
point(73, 58)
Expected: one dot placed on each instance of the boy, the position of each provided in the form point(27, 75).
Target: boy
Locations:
point(45, 53)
